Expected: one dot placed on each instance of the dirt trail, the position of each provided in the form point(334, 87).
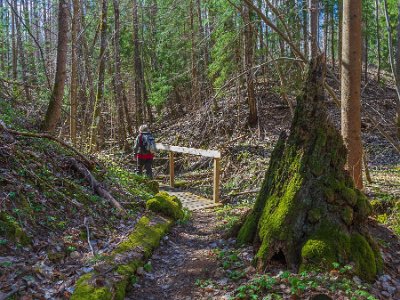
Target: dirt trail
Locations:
point(184, 256)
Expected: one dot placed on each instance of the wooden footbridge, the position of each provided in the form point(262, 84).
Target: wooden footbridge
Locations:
point(189, 200)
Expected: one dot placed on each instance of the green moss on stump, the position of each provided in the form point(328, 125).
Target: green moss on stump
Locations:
point(308, 210)
point(125, 259)
point(327, 245)
point(167, 205)
point(363, 257)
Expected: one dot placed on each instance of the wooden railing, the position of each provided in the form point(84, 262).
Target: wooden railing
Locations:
point(216, 155)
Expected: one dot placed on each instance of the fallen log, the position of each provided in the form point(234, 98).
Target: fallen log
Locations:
point(96, 186)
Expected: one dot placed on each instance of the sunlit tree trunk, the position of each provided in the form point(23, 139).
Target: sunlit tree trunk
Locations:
point(248, 64)
point(53, 113)
point(118, 83)
point(378, 40)
point(139, 101)
point(97, 122)
point(21, 54)
point(398, 44)
point(74, 70)
point(351, 88)
point(314, 13)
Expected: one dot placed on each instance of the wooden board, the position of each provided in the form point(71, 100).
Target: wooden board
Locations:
point(193, 151)
point(189, 200)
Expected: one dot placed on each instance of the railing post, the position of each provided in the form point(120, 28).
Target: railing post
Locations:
point(171, 169)
point(217, 170)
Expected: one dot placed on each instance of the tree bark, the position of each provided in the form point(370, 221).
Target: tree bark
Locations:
point(74, 71)
point(53, 113)
point(378, 40)
point(139, 101)
point(308, 213)
point(21, 53)
point(98, 105)
point(340, 35)
point(314, 13)
point(248, 65)
point(118, 83)
point(351, 88)
point(398, 44)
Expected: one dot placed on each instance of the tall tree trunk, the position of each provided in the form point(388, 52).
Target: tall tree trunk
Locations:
point(378, 40)
point(398, 44)
point(248, 65)
point(314, 13)
point(97, 122)
point(193, 58)
point(53, 113)
point(351, 88)
point(21, 52)
point(304, 6)
point(365, 48)
point(74, 71)
point(326, 28)
point(392, 65)
point(139, 101)
point(333, 38)
point(87, 62)
point(118, 83)
point(340, 35)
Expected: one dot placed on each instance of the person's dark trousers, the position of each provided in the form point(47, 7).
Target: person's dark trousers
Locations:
point(147, 165)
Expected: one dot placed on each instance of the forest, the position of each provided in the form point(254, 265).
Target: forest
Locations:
point(199, 149)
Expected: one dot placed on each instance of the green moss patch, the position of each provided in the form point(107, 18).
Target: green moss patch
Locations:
point(308, 211)
point(125, 259)
point(169, 206)
point(10, 228)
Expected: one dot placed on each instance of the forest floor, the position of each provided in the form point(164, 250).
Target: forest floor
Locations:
point(197, 261)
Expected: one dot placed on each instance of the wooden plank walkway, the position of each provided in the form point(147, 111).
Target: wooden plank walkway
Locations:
point(190, 201)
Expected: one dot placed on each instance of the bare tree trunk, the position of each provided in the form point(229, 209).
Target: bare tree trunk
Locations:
point(340, 35)
point(139, 101)
point(305, 27)
point(378, 40)
point(326, 28)
point(351, 88)
point(118, 83)
point(392, 65)
point(248, 65)
point(98, 106)
point(3, 39)
point(193, 57)
point(20, 46)
point(365, 48)
point(74, 71)
point(333, 38)
point(314, 13)
point(53, 113)
point(398, 44)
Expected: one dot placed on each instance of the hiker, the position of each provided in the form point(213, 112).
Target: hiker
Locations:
point(144, 150)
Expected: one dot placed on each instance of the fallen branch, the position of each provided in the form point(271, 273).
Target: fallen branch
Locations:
point(96, 186)
point(90, 164)
point(86, 223)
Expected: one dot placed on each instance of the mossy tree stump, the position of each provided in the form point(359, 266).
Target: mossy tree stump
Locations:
point(308, 212)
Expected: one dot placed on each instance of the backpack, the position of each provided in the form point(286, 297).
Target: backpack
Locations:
point(149, 143)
